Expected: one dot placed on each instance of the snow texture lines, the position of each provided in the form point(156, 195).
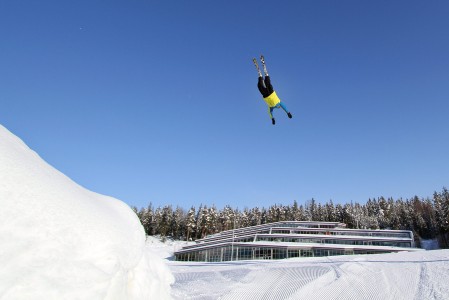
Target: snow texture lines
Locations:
point(428, 287)
point(279, 283)
point(196, 284)
point(422, 275)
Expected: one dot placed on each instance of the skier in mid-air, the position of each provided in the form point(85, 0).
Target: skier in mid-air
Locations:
point(266, 89)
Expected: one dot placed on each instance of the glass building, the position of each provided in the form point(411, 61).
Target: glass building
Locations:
point(295, 239)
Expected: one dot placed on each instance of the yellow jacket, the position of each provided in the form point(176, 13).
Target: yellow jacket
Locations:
point(272, 100)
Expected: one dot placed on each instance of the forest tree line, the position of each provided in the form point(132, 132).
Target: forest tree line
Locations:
point(427, 218)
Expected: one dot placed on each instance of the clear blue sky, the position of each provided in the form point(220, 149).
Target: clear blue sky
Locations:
point(156, 101)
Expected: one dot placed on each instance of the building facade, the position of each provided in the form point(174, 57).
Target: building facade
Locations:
point(295, 239)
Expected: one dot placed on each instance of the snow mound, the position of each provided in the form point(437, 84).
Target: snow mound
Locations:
point(61, 241)
point(165, 249)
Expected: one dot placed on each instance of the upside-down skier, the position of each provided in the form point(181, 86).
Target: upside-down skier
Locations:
point(266, 89)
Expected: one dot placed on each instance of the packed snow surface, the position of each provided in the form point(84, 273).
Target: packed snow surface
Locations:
point(407, 275)
point(61, 241)
point(418, 275)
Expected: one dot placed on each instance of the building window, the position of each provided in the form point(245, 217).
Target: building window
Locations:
point(279, 253)
point(293, 253)
point(262, 253)
point(245, 253)
point(306, 253)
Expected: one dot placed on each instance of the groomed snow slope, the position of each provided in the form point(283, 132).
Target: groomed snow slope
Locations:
point(61, 241)
point(407, 275)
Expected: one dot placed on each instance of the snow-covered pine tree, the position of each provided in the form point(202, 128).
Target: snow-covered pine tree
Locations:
point(445, 208)
point(255, 216)
point(384, 213)
point(360, 221)
point(429, 218)
point(330, 212)
point(148, 221)
point(419, 224)
point(245, 218)
point(202, 221)
point(348, 215)
point(190, 224)
point(163, 216)
point(212, 221)
point(339, 214)
point(226, 218)
point(263, 216)
point(441, 204)
point(236, 219)
point(273, 214)
point(177, 226)
point(310, 210)
point(320, 214)
point(294, 211)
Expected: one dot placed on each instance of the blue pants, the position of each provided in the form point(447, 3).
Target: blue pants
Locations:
point(279, 105)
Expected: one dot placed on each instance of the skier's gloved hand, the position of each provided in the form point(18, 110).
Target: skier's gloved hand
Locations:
point(273, 121)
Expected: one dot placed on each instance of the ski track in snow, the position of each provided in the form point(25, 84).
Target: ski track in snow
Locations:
point(423, 275)
point(428, 284)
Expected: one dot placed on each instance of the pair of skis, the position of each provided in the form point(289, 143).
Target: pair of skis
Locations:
point(262, 59)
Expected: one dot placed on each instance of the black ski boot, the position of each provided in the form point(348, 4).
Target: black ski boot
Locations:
point(289, 115)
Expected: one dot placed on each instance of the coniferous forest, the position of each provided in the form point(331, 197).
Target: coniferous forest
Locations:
point(427, 218)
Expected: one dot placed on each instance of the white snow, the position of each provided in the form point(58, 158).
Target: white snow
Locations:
point(61, 241)
point(165, 249)
point(406, 275)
